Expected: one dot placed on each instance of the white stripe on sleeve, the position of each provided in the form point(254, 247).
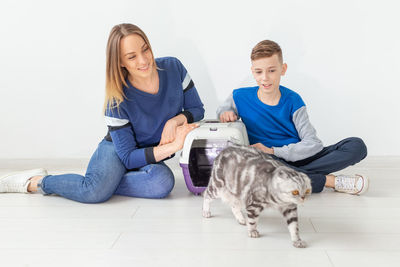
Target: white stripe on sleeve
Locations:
point(186, 81)
point(115, 122)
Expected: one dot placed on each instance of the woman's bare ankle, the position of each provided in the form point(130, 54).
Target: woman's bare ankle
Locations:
point(33, 184)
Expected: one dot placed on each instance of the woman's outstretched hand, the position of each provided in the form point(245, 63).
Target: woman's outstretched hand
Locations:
point(181, 133)
point(166, 150)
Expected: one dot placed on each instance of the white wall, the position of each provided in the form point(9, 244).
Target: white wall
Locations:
point(343, 58)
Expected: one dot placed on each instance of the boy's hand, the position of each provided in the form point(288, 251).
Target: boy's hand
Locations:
point(264, 148)
point(228, 116)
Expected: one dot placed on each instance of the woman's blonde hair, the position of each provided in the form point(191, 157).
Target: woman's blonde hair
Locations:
point(116, 74)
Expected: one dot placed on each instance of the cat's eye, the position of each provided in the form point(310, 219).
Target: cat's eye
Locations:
point(308, 191)
point(295, 192)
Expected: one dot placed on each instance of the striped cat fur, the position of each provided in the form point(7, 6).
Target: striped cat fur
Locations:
point(250, 180)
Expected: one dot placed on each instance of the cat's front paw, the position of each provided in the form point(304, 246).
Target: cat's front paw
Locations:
point(254, 234)
point(206, 214)
point(299, 244)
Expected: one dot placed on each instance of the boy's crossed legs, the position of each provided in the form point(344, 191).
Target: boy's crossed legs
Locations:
point(331, 159)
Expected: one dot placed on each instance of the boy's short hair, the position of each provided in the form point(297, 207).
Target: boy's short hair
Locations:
point(266, 48)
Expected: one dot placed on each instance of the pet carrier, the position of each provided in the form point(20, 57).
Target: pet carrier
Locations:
point(202, 146)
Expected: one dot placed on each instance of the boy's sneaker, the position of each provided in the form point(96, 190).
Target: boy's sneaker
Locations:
point(18, 182)
point(351, 184)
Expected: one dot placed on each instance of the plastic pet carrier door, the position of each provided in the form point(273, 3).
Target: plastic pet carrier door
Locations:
point(202, 146)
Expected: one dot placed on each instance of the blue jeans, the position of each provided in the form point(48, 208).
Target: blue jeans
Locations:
point(106, 175)
point(330, 159)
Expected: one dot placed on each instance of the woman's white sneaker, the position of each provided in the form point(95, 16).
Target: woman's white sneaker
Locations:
point(351, 184)
point(18, 182)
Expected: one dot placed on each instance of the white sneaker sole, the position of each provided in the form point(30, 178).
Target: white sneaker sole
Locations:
point(365, 187)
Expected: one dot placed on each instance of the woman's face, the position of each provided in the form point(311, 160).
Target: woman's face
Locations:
point(136, 56)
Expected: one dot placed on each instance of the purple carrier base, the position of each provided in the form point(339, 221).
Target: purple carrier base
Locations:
point(197, 190)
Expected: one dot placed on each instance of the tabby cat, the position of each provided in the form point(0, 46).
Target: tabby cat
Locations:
point(248, 179)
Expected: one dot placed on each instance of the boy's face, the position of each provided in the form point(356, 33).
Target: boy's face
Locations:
point(267, 71)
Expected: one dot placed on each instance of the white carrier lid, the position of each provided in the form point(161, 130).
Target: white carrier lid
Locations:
point(216, 134)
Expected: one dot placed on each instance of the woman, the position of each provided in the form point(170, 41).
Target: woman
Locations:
point(149, 103)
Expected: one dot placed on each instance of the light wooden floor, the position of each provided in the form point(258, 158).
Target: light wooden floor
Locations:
point(341, 230)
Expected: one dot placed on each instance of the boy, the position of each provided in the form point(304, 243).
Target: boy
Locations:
point(277, 123)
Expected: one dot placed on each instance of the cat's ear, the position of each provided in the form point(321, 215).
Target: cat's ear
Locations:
point(280, 172)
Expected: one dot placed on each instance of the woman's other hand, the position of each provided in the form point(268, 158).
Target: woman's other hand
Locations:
point(169, 132)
